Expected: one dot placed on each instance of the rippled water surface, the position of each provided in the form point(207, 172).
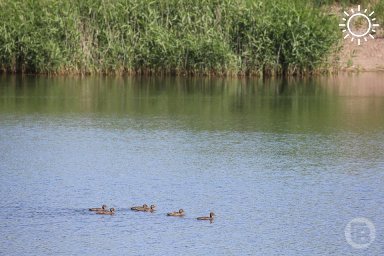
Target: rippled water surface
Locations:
point(285, 165)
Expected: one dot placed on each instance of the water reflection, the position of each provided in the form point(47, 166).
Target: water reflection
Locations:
point(303, 105)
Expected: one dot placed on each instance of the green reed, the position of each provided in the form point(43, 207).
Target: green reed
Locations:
point(202, 37)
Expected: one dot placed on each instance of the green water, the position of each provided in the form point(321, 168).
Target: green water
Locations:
point(349, 103)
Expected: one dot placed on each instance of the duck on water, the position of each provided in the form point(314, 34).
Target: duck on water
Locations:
point(211, 217)
point(110, 212)
point(103, 208)
point(144, 208)
point(179, 213)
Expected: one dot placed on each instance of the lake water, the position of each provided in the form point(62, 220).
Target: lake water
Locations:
point(285, 165)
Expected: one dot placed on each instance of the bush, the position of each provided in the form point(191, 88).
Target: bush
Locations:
point(175, 36)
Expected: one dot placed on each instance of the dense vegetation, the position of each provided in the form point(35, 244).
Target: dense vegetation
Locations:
point(221, 37)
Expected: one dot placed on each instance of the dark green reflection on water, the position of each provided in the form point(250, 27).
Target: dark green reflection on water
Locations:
point(351, 103)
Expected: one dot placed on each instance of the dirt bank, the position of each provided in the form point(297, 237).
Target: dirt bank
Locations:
point(369, 56)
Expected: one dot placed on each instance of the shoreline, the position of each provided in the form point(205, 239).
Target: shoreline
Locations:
point(323, 73)
point(367, 58)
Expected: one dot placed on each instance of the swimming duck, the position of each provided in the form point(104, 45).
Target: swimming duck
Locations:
point(140, 208)
point(151, 209)
point(103, 208)
point(180, 213)
point(110, 212)
point(211, 217)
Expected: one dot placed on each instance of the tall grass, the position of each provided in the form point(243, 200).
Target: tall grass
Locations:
point(226, 37)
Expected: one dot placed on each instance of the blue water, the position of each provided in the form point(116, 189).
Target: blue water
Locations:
point(274, 191)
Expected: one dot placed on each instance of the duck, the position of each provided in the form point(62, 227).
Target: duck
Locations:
point(180, 213)
point(110, 212)
point(140, 208)
point(151, 209)
point(211, 217)
point(103, 208)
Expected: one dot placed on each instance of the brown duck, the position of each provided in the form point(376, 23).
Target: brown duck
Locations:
point(110, 212)
point(180, 213)
point(140, 208)
point(211, 217)
point(103, 208)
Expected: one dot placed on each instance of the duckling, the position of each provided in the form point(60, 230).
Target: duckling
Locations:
point(151, 209)
point(103, 208)
point(211, 217)
point(180, 213)
point(110, 212)
point(140, 208)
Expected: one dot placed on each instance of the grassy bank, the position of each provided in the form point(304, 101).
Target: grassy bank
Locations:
point(226, 37)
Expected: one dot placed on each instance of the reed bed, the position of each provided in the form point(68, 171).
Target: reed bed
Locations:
point(181, 37)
